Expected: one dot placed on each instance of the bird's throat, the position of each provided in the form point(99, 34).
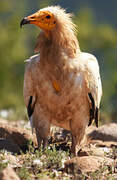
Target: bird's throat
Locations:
point(47, 34)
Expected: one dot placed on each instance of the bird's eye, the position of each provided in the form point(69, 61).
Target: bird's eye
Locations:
point(48, 16)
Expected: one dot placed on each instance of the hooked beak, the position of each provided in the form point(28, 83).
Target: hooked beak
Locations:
point(31, 19)
point(24, 21)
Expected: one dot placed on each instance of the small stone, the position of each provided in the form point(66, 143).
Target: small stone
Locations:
point(8, 174)
point(106, 149)
point(98, 152)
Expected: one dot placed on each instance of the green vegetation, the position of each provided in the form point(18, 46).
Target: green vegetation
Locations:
point(3, 162)
point(50, 164)
point(17, 44)
point(41, 163)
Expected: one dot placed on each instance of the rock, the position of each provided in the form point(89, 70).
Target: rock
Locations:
point(106, 132)
point(18, 136)
point(8, 174)
point(100, 143)
point(97, 151)
point(85, 164)
point(9, 146)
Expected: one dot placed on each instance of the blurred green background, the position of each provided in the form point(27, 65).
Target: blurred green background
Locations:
point(97, 34)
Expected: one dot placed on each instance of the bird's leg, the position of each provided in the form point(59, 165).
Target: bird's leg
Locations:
point(76, 145)
point(73, 145)
point(39, 138)
point(42, 132)
point(77, 139)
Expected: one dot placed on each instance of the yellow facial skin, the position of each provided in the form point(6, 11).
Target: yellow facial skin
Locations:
point(43, 19)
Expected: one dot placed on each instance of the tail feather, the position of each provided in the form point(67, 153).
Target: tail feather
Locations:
point(30, 110)
point(96, 116)
point(94, 111)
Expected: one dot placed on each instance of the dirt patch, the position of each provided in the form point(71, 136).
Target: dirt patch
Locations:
point(96, 160)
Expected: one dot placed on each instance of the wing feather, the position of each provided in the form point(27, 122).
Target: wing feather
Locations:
point(29, 89)
point(94, 85)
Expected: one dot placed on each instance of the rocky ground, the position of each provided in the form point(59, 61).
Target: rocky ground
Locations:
point(21, 160)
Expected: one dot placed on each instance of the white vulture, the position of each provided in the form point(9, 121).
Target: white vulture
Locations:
point(62, 84)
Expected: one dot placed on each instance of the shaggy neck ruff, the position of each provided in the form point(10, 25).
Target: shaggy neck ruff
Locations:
point(61, 39)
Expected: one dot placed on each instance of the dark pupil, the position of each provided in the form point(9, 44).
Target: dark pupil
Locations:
point(48, 17)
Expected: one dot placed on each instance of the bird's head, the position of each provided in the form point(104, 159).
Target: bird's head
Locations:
point(44, 19)
point(49, 19)
point(57, 25)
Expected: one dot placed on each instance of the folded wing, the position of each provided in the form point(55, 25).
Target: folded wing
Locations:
point(28, 90)
point(94, 86)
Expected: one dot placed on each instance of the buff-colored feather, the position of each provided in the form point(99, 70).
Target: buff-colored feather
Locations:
point(64, 33)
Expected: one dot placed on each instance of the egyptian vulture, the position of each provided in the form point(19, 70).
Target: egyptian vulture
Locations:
point(62, 84)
